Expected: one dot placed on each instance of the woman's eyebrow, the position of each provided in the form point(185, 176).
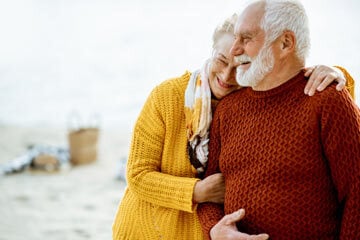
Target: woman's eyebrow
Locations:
point(223, 56)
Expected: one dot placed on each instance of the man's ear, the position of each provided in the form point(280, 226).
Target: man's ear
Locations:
point(288, 42)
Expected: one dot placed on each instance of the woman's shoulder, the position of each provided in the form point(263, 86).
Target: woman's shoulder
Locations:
point(172, 87)
point(175, 83)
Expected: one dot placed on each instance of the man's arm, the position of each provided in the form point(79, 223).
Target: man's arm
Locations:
point(210, 213)
point(340, 133)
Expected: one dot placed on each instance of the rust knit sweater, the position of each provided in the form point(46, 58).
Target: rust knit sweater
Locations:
point(292, 161)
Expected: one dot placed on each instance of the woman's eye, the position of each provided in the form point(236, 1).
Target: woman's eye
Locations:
point(246, 40)
point(221, 62)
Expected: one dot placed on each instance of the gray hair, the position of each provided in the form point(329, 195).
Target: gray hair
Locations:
point(227, 27)
point(287, 15)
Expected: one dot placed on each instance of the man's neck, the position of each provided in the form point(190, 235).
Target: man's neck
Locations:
point(280, 74)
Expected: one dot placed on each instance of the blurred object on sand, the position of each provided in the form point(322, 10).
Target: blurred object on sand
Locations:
point(39, 157)
point(83, 138)
point(45, 162)
point(83, 145)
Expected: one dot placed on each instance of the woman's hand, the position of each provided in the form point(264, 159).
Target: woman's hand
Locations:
point(210, 189)
point(321, 76)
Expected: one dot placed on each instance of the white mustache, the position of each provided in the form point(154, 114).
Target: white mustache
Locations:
point(242, 58)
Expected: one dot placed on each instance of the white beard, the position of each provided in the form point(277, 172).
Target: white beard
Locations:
point(261, 65)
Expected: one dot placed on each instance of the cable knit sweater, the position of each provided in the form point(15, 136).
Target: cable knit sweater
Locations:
point(158, 200)
point(292, 161)
point(157, 203)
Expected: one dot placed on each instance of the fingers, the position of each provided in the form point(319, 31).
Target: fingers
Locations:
point(341, 85)
point(314, 81)
point(308, 71)
point(262, 236)
point(216, 177)
point(215, 182)
point(233, 217)
point(226, 228)
point(325, 82)
point(321, 77)
point(244, 236)
point(210, 189)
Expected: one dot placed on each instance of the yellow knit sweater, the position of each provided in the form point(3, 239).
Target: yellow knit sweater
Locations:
point(350, 83)
point(157, 203)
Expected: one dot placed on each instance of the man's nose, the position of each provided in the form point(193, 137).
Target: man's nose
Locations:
point(237, 48)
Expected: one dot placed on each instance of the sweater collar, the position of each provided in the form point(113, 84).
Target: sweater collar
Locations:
point(278, 90)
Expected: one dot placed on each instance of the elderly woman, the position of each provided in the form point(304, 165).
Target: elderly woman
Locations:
point(168, 151)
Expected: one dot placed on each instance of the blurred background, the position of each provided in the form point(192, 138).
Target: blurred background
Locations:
point(104, 57)
point(96, 61)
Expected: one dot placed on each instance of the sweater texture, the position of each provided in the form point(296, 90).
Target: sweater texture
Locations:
point(157, 203)
point(290, 160)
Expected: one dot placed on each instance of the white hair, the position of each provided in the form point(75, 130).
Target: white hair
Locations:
point(226, 27)
point(287, 15)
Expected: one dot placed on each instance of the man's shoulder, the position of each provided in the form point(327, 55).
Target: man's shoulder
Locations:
point(332, 98)
point(330, 92)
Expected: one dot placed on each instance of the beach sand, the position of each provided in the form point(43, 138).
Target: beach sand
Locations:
point(76, 202)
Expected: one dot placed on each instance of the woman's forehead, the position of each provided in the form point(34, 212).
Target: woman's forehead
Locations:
point(224, 45)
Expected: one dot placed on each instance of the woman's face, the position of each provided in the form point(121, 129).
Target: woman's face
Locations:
point(223, 68)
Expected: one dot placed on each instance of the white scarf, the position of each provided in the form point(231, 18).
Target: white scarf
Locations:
point(198, 117)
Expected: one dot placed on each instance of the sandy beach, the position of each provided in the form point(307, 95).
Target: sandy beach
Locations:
point(76, 202)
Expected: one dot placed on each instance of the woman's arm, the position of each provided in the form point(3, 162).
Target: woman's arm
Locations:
point(350, 83)
point(144, 174)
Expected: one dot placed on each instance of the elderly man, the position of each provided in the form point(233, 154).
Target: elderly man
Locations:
point(290, 160)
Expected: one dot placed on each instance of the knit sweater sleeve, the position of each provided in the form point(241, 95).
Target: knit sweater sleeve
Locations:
point(340, 133)
point(350, 83)
point(211, 213)
point(144, 174)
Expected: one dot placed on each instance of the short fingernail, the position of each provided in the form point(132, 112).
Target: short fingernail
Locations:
point(264, 236)
point(241, 211)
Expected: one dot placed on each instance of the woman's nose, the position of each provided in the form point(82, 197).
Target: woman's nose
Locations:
point(229, 75)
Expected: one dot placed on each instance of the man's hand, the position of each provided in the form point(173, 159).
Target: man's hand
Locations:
point(226, 229)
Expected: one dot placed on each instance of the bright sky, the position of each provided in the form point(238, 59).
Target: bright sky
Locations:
point(114, 52)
